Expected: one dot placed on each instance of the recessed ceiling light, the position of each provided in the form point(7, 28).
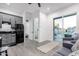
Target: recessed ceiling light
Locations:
point(48, 8)
point(8, 3)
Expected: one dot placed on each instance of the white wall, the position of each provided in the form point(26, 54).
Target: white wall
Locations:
point(27, 25)
point(44, 28)
point(61, 12)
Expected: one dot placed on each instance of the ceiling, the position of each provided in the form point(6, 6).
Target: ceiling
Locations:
point(45, 7)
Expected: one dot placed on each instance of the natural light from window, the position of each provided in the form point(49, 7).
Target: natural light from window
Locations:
point(69, 22)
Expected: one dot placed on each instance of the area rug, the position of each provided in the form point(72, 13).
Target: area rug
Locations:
point(48, 47)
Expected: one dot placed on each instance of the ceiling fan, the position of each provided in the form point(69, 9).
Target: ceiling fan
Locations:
point(39, 5)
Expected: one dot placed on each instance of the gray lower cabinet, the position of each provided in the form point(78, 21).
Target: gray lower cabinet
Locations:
point(8, 39)
point(13, 38)
point(4, 41)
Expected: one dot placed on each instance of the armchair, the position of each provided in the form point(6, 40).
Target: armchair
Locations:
point(68, 42)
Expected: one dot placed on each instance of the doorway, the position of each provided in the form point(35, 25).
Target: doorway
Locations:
point(35, 29)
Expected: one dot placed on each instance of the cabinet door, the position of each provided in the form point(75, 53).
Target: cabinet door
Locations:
point(9, 40)
point(13, 22)
point(1, 21)
point(13, 40)
point(18, 20)
point(6, 18)
point(4, 39)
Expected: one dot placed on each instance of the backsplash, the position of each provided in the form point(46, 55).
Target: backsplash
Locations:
point(6, 27)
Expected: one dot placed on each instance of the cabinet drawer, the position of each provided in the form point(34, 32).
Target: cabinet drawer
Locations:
point(8, 38)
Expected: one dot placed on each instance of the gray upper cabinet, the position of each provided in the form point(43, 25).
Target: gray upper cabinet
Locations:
point(13, 22)
point(18, 20)
point(1, 17)
point(10, 19)
point(6, 18)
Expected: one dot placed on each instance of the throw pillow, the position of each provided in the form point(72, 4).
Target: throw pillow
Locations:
point(75, 46)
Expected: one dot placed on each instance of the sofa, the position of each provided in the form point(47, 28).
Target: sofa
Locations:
point(68, 46)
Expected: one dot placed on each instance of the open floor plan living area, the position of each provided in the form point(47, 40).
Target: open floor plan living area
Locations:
point(39, 29)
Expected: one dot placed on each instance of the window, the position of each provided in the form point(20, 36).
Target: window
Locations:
point(64, 26)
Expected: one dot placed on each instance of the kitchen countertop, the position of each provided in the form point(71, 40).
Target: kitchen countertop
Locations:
point(5, 32)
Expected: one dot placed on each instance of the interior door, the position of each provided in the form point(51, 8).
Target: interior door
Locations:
point(36, 28)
